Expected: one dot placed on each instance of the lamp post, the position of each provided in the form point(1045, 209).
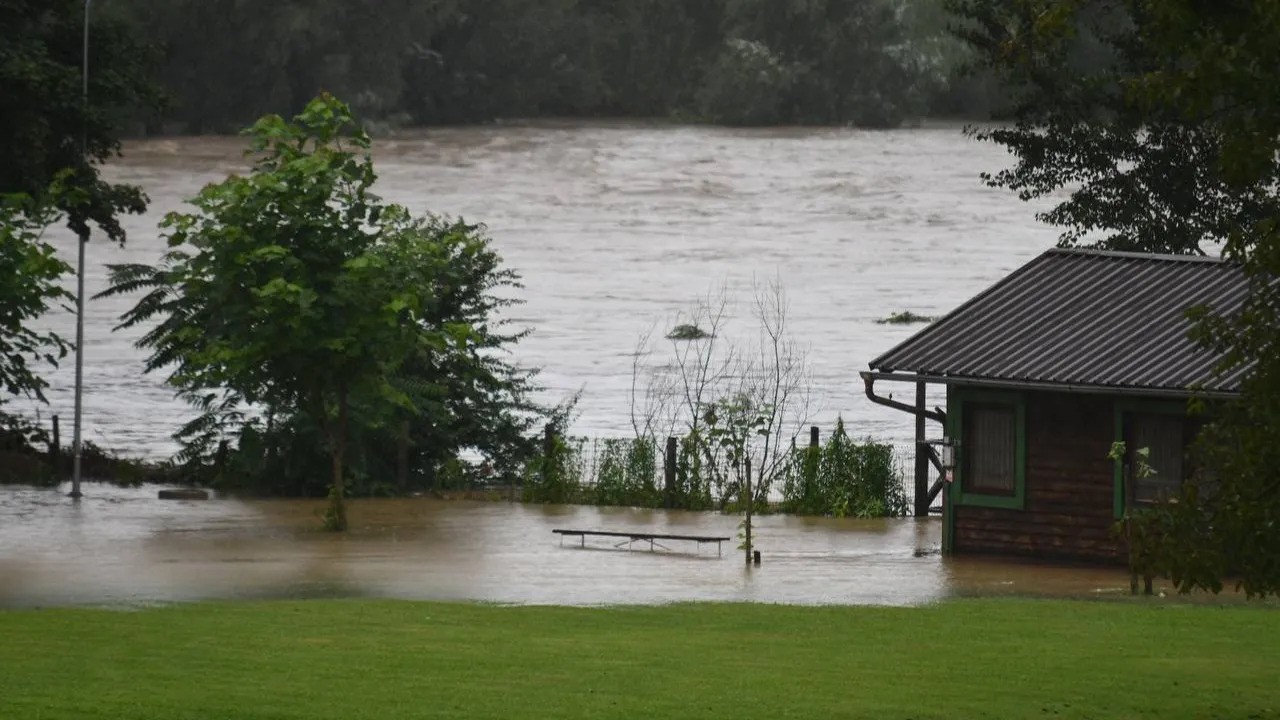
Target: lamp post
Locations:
point(83, 240)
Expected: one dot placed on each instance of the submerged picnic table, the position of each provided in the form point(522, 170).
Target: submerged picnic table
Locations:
point(632, 537)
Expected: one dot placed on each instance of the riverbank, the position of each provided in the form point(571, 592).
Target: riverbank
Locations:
point(384, 659)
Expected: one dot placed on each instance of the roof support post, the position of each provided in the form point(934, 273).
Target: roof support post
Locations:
point(922, 457)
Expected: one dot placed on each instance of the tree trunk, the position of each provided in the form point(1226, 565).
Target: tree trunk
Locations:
point(402, 458)
point(750, 498)
point(335, 518)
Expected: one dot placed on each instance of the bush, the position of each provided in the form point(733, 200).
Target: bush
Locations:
point(626, 473)
point(845, 478)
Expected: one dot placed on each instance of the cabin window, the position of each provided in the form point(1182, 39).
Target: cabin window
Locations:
point(990, 448)
point(1164, 440)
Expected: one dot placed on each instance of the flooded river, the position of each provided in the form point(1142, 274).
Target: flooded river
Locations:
point(614, 228)
point(125, 548)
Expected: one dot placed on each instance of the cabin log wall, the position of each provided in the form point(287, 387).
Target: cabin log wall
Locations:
point(1070, 483)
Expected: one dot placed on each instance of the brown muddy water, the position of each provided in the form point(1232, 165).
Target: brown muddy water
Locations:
point(615, 228)
point(125, 548)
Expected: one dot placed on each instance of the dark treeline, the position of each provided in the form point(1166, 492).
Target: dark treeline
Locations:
point(870, 63)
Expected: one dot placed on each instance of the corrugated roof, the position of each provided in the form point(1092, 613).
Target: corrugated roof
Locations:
point(1085, 318)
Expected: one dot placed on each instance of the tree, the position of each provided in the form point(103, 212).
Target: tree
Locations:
point(301, 291)
point(1225, 81)
point(740, 406)
point(46, 127)
point(32, 271)
point(475, 399)
point(1141, 174)
point(827, 61)
point(458, 61)
point(1163, 119)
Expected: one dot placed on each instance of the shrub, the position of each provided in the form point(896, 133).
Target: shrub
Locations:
point(845, 478)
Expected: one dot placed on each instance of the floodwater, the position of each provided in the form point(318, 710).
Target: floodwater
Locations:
point(125, 548)
point(614, 228)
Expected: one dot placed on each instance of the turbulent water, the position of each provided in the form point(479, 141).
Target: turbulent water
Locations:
point(126, 548)
point(617, 227)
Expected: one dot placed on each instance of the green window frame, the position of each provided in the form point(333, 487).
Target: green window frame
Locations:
point(1120, 492)
point(960, 398)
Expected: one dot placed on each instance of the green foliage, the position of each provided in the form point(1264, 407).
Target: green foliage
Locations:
point(619, 472)
point(21, 461)
point(1139, 174)
point(295, 289)
point(819, 61)
point(472, 401)
point(45, 127)
point(747, 85)
point(728, 427)
point(556, 474)
point(948, 79)
point(1228, 85)
point(860, 62)
point(844, 478)
point(1161, 120)
point(32, 275)
point(627, 472)
point(1144, 530)
point(694, 484)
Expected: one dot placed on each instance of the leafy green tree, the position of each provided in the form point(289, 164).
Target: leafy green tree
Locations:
point(849, 58)
point(1224, 78)
point(950, 86)
point(1163, 120)
point(476, 399)
point(46, 128)
point(396, 358)
point(1140, 175)
point(457, 61)
point(748, 85)
point(31, 271)
point(300, 289)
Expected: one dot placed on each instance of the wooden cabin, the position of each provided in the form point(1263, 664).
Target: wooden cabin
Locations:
point(1044, 371)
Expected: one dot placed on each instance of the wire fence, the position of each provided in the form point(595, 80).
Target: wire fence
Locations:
point(841, 476)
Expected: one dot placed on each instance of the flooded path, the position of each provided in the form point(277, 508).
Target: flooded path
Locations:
point(123, 547)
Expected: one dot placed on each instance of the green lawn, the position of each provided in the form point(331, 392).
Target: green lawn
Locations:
point(385, 659)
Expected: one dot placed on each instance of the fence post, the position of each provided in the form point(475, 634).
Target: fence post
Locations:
point(813, 436)
point(669, 474)
point(55, 450)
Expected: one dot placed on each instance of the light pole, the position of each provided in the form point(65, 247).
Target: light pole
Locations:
point(83, 240)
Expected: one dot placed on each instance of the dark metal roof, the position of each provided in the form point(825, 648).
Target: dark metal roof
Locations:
point(1083, 318)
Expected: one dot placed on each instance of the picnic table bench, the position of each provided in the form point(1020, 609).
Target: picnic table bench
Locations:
point(652, 538)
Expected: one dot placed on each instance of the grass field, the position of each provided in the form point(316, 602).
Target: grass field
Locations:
point(1000, 658)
